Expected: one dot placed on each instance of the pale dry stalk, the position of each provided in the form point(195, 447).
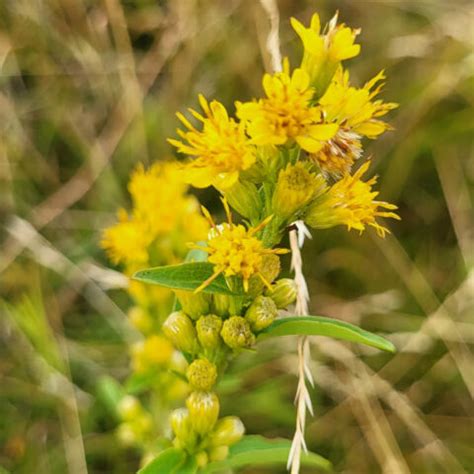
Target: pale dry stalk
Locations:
point(302, 398)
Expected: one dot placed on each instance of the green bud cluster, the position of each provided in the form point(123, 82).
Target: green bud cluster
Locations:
point(198, 430)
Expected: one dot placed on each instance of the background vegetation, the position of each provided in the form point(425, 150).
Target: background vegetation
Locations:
point(89, 88)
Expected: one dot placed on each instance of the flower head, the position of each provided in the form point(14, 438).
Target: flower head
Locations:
point(160, 207)
point(221, 149)
point(286, 113)
point(127, 241)
point(354, 108)
point(236, 251)
point(324, 52)
point(296, 187)
point(350, 202)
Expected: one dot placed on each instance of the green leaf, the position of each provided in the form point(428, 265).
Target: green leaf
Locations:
point(258, 451)
point(321, 326)
point(167, 461)
point(186, 276)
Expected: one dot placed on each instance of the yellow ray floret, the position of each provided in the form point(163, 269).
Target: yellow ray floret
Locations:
point(323, 52)
point(337, 43)
point(351, 202)
point(221, 150)
point(286, 113)
point(354, 109)
point(236, 251)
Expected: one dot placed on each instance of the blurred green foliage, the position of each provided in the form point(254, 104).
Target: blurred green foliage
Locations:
point(89, 89)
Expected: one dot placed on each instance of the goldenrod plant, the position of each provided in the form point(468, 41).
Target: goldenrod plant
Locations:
point(291, 158)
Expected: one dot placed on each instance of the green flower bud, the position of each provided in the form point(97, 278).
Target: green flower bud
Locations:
point(219, 453)
point(193, 304)
point(203, 411)
point(179, 329)
point(202, 374)
point(208, 331)
point(236, 333)
point(270, 270)
point(228, 431)
point(261, 313)
point(283, 292)
point(244, 198)
point(181, 425)
point(221, 305)
point(295, 188)
point(129, 408)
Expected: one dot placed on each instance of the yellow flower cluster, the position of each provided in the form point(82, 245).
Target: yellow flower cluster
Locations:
point(304, 134)
point(221, 149)
point(350, 202)
point(285, 157)
point(236, 251)
point(286, 113)
point(162, 220)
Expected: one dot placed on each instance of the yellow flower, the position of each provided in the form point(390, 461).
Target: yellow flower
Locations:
point(221, 149)
point(357, 115)
point(353, 109)
point(286, 113)
point(158, 196)
point(236, 251)
point(160, 207)
point(127, 241)
point(296, 187)
point(350, 202)
point(323, 53)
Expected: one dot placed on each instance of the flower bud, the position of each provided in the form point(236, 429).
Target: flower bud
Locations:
point(208, 331)
point(203, 411)
point(129, 408)
point(295, 188)
point(228, 431)
point(179, 329)
point(193, 304)
point(283, 292)
point(181, 425)
point(244, 198)
point(219, 453)
point(221, 304)
point(270, 270)
point(236, 333)
point(202, 374)
point(261, 313)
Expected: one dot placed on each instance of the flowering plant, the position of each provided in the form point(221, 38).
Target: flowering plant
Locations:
point(285, 160)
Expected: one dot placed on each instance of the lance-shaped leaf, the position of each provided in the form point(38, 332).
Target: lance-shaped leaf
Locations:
point(186, 276)
point(260, 451)
point(167, 461)
point(321, 326)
